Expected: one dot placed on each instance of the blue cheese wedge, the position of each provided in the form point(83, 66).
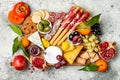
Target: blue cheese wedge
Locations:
point(36, 39)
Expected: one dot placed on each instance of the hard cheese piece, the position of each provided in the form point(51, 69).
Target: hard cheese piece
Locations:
point(35, 39)
point(71, 55)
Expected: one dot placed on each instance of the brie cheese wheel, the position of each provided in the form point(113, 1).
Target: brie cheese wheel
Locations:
point(35, 39)
point(51, 54)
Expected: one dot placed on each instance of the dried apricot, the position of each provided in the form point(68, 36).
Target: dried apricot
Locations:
point(25, 41)
point(84, 31)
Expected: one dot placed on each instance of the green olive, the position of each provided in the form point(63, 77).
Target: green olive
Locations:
point(40, 27)
point(45, 22)
point(47, 28)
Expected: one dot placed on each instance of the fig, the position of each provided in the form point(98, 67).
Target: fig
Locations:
point(76, 39)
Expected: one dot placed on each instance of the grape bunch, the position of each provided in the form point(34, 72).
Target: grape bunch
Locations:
point(62, 62)
point(96, 29)
point(91, 42)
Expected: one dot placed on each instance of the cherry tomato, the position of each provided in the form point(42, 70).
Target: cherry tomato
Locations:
point(22, 9)
point(13, 18)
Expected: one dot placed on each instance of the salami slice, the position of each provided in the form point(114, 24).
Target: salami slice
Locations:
point(58, 15)
point(52, 14)
point(51, 18)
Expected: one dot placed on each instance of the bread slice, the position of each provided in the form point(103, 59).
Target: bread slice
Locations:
point(96, 57)
point(85, 55)
point(92, 54)
point(81, 61)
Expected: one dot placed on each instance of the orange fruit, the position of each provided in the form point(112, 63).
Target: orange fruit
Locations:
point(13, 18)
point(84, 31)
point(102, 65)
point(25, 41)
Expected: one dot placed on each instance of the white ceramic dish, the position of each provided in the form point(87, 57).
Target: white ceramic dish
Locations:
point(44, 32)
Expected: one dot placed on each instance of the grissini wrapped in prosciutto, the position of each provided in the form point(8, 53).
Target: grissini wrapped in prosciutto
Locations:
point(68, 18)
point(69, 26)
point(83, 17)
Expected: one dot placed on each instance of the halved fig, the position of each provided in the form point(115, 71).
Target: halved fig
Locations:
point(76, 39)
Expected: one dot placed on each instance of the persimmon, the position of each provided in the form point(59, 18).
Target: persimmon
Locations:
point(103, 65)
point(25, 41)
point(15, 19)
point(22, 9)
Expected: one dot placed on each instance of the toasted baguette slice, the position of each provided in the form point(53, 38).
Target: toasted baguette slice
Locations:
point(92, 54)
point(95, 58)
point(85, 55)
point(81, 61)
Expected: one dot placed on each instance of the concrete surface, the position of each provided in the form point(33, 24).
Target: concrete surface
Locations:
point(110, 23)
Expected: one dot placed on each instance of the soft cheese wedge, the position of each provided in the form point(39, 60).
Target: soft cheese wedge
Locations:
point(35, 39)
point(72, 55)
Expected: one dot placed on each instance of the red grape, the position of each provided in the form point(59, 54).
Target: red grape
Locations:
point(59, 57)
point(63, 62)
point(57, 66)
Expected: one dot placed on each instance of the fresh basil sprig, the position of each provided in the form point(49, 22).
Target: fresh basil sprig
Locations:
point(23, 49)
point(16, 29)
point(90, 67)
point(15, 45)
point(94, 20)
point(90, 23)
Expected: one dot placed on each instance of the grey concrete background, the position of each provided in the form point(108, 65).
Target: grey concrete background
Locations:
point(110, 23)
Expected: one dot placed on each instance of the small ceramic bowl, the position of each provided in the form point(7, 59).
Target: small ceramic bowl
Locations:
point(42, 32)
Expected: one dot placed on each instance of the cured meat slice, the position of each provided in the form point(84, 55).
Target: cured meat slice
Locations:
point(58, 15)
point(47, 37)
point(55, 28)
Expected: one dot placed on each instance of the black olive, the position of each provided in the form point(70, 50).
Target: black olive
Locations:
point(76, 33)
point(71, 37)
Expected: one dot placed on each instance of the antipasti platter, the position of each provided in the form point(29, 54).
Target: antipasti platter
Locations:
point(59, 39)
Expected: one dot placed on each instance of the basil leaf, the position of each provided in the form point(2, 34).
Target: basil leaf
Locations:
point(90, 67)
point(23, 49)
point(15, 45)
point(16, 29)
point(94, 20)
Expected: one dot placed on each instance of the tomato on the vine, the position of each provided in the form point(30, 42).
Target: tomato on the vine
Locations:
point(21, 9)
